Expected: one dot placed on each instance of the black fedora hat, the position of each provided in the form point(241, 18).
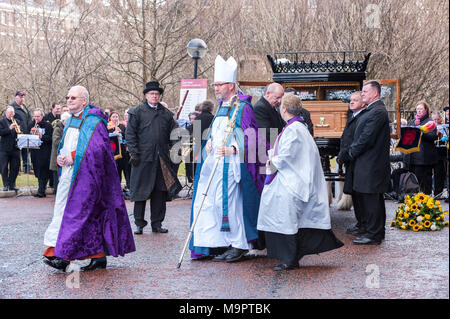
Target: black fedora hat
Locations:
point(153, 86)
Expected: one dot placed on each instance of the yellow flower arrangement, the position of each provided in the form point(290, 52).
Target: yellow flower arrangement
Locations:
point(420, 213)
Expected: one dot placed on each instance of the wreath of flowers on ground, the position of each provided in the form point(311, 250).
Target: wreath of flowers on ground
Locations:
point(420, 213)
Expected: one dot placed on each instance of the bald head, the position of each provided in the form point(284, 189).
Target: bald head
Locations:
point(274, 94)
point(77, 99)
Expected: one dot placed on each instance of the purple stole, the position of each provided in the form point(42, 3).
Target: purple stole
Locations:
point(271, 177)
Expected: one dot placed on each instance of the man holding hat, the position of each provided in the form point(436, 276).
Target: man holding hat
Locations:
point(226, 224)
point(23, 116)
point(152, 174)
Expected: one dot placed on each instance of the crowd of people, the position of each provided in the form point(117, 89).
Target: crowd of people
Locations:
point(265, 195)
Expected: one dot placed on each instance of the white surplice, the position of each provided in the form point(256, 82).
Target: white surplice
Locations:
point(70, 145)
point(207, 230)
point(297, 197)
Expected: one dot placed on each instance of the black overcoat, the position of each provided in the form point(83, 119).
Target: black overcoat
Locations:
point(267, 117)
point(41, 157)
point(346, 141)
point(370, 150)
point(8, 137)
point(148, 137)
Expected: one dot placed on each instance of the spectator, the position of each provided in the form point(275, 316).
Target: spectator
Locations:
point(9, 153)
point(54, 114)
point(114, 126)
point(152, 173)
point(52, 117)
point(422, 162)
point(41, 157)
point(65, 109)
point(23, 116)
point(439, 169)
point(58, 129)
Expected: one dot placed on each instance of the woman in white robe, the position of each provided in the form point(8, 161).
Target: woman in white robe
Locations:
point(294, 211)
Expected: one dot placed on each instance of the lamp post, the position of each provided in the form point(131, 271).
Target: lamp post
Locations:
point(196, 49)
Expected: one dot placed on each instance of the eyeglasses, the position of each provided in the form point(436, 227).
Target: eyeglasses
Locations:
point(72, 98)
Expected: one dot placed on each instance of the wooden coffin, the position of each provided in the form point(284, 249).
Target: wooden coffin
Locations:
point(329, 117)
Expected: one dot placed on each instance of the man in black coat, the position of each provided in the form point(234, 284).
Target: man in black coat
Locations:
point(9, 153)
point(23, 116)
point(152, 173)
point(41, 157)
point(356, 107)
point(266, 113)
point(369, 154)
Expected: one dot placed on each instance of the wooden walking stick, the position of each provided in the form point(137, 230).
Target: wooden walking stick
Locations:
point(228, 131)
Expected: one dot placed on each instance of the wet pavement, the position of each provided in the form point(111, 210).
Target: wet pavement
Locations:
point(405, 265)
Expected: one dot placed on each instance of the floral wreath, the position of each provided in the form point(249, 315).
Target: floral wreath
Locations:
point(420, 213)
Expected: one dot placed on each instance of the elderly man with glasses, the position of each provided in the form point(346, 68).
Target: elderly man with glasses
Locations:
point(90, 219)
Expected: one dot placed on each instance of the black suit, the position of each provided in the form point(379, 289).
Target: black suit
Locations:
point(307, 117)
point(268, 118)
point(346, 141)
point(9, 154)
point(369, 153)
point(23, 116)
point(40, 158)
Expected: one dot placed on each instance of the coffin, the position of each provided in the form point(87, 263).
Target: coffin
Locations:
point(329, 117)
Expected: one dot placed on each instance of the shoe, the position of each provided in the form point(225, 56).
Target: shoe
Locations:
point(96, 263)
point(159, 230)
point(355, 231)
point(139, 230)
point(366, 241)
point(39, 195)
point(14, 188)
point(235, 254)
point(57, 263)
point(222, 257)
point(5, 189)
point(285, 267)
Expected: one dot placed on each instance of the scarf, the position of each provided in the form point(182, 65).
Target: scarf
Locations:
point(419, 119)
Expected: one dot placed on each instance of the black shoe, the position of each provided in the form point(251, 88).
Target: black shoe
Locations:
point(222, 257)
point(285, 267)
point(5, 189)
point(57, 263)
point(235, 254)
point(159, 230)
point(96, 263)
point(139, 230)
point(366, 241)
point(14, 188)
point(355, 231)
point(39, 195)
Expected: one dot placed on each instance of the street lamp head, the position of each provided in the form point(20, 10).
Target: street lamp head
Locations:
point(197, 48)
